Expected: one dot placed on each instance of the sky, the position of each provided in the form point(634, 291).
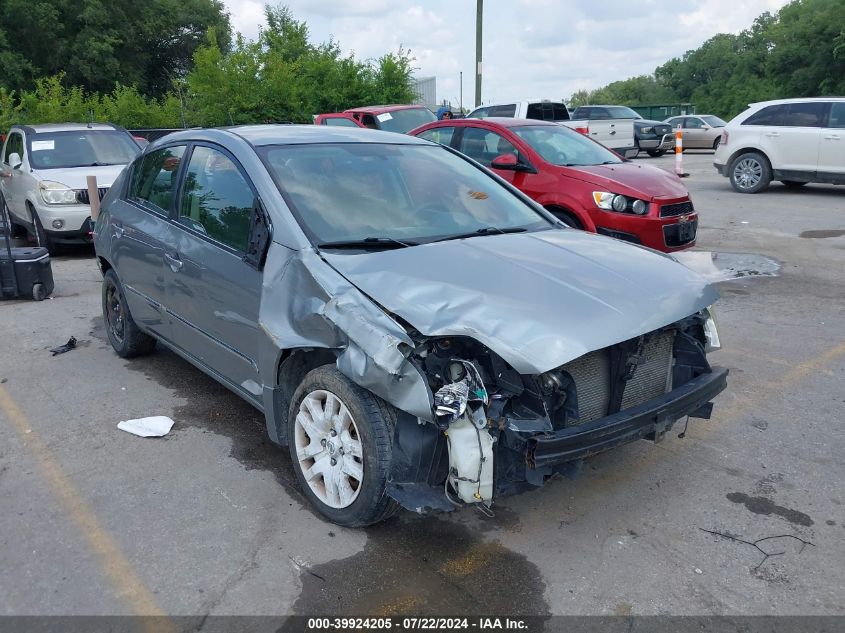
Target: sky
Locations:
point(531, 48)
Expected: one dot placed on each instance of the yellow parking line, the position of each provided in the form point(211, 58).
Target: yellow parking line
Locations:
point(112, 561)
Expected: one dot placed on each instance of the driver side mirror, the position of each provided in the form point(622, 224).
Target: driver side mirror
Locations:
point(509, 162)
point(15, 161)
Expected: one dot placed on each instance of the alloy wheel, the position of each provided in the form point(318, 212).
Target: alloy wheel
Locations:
point(748, 173)
point(329, 449)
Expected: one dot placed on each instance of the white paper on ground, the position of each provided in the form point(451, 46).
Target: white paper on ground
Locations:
point(154, 426)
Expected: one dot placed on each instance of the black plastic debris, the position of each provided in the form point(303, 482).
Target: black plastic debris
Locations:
point(61, 349)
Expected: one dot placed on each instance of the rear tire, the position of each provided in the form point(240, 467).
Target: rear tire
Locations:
point(38, 292)
point(341, 444)
point(793, 184)
point(125, 336)
point(654, 153)
point(750, 172)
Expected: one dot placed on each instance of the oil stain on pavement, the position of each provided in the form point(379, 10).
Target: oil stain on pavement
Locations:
point(424, 566)
point(762, 505)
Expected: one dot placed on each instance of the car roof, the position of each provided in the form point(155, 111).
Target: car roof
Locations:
point(378, 109)
point(497, 120)
point(796, 100)
point(260, 135)
point(67, 127)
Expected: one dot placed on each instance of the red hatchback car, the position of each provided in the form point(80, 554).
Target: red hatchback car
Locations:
point(391, 118)
point(579, 180)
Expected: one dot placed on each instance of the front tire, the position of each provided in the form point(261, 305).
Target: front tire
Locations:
point(125, 336)
point(750, 173)
point(655, 153)
point(341, 444)
point(567, 218)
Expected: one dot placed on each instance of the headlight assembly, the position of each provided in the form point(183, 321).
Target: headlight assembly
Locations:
point(56, 193)
point(620, 204)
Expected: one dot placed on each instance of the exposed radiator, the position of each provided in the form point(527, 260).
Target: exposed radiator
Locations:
point(652, 378)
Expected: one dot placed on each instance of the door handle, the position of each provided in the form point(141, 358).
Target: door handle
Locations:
point(118, 230)
point(834, 137)
point(174, 262)
point(612, 132)
point(772, 133)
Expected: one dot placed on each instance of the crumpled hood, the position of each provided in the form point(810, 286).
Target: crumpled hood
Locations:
point(647, 181)
point(75, 177)
point(538, 299)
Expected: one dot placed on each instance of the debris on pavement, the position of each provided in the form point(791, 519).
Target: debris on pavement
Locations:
point(154, 426)
point(766, 555)
point(61, 349)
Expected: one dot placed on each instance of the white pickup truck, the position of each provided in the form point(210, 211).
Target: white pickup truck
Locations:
point(616, 134)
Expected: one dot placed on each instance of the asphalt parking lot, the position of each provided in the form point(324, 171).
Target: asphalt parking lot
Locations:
point(208, 520)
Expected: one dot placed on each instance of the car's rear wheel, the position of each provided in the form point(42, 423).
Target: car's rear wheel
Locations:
point(793, 184)
point(125, 336)
point(655, 152)
point(750, 173)
point(341, 443)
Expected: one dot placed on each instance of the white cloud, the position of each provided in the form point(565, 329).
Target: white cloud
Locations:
point(532, 48)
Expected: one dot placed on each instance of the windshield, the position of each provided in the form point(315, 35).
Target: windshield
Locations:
point(559, 145)
point(623, 112)
point(408, 193)
point(404, 121)
point(713, 121)
point(83, 148)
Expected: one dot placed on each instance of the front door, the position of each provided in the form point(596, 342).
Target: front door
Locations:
point(832, 146)
point(16, 181)
point(213, 294)
point(695, 133)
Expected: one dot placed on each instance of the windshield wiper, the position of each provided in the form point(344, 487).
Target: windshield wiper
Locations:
point(369, 242)
point(487, 230)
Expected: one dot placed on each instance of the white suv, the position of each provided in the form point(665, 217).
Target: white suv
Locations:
point(795, 141)
point(43, 176)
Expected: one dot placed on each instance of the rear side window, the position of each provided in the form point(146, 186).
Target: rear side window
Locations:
point(441, 135)
point(837, 115)
point(503, 110)
point(341, 122)
point(770, 115)
point(546, 111)
point(154, 177)
point(813, 114)
point(216, 200)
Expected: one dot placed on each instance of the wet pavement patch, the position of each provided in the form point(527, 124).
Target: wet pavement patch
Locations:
point(715, 266)
point(762, 505)
point(822, 234)
point(424, 566)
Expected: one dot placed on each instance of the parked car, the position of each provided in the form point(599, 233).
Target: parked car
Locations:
point(44, 176)
point(618, 135)
point(577, 179)
point(700, 131)
point(653, 137)
point(391, 118)
point(417, 331)
point(796, 141)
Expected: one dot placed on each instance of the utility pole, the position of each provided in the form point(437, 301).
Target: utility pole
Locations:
point(478, 13)
point(462, 92)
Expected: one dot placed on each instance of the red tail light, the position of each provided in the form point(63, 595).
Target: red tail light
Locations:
point(583, 130)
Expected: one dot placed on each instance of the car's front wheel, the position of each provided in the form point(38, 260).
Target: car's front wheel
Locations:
point(341, 439)
point(655, 152)
point(125, 336)
point(750, 173)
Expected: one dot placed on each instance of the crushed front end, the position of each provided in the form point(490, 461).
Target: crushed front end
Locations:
point(498, 432)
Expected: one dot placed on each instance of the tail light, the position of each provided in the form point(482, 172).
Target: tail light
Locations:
point(724, 139)
point(583, 130)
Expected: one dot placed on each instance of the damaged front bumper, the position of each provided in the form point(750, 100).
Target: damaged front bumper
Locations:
point(649, 420)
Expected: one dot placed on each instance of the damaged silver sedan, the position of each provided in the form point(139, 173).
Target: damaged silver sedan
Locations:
point(416, 330)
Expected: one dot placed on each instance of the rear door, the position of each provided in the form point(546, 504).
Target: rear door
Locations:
point(695, 133)
point(139, 226)
point(213, 292)
point(832, 145)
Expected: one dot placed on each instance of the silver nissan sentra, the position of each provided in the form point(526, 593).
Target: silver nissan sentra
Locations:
point(416, 330)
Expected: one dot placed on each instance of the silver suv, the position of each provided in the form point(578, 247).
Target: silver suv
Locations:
point(43, 176)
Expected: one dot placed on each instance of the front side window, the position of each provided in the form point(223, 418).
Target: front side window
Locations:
point(714, 121)
point(340, 122)
point(154, 177)
point(441, 135)
point(14, 145)
point(837, 114)
point(480, 113)
point(216, 199)
point(622, 112)
point(83, 148)
point(483, 145)
point(561, 146)
point(504, 110)
point(347, 192)
point(694, 124)
point(403, 121)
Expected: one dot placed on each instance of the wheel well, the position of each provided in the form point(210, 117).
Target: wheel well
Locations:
point(556, 208)
point(293, 367)
point(745, 150)
point(104, 264)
